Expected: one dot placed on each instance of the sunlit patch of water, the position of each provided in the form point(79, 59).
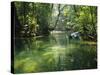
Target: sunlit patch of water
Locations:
point(54, 53)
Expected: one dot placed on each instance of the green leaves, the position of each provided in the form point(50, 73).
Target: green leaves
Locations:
point(60, 16)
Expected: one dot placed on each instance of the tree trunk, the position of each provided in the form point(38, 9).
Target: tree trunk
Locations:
point(15, 20)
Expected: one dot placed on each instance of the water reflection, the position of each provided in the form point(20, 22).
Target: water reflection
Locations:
point(53, 53)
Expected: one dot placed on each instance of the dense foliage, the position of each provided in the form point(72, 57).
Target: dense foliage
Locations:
point(53, 37)
point(39, 19)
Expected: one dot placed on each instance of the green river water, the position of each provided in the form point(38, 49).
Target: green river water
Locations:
point(56, 52)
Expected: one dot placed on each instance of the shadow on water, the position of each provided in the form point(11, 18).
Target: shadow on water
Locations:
point(54, 53)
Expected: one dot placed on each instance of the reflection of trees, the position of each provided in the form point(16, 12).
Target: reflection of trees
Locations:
point(54, 53)
point(82, 58)
point(24, 44)
point(60, 37)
